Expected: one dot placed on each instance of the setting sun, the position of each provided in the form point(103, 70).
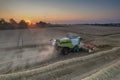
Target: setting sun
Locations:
point(28, 21)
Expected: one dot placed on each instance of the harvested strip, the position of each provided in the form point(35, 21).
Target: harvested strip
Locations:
point(106, 73)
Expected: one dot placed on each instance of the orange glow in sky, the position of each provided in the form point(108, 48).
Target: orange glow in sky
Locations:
point(28, 21)
point(59, 10)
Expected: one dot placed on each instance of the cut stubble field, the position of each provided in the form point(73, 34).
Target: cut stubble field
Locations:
point(24, 50)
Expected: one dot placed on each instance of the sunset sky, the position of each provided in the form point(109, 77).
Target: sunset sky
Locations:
point(61, 11)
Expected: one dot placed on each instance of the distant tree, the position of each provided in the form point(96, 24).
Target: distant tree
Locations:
point(13, 23)
point(41, 24)
point(2, 21)
point(23, 24)
point(4, 25)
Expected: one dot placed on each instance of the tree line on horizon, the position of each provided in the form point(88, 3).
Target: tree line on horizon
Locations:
point(12, 24)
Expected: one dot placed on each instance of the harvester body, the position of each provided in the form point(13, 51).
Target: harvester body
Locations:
point(71, 43)
point(67, 44)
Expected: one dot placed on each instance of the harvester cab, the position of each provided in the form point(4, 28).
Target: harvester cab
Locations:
point(67, 44)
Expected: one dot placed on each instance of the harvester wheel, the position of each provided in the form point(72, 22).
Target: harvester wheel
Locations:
point(65, 51)
point(76, 49)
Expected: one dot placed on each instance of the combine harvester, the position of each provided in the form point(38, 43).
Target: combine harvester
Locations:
point(71, 43)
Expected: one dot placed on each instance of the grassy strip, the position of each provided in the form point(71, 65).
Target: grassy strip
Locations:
point(106, 73)
point(25, 74)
